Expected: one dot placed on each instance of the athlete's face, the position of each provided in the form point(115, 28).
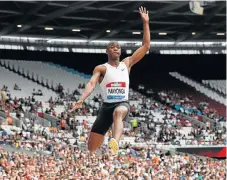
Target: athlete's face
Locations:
point(113, 51)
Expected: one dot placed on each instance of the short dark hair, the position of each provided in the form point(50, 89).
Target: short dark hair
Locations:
point(111, 43)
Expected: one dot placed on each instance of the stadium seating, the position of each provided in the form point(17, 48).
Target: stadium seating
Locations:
point(211, 94)
point(155, 111)
point(9, 78)
point(217, 85)
point(201, 93)
point(51, 74)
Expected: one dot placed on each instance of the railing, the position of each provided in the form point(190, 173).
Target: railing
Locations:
point(71, 45)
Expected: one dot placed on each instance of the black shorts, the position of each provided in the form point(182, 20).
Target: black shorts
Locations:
point(104, 119)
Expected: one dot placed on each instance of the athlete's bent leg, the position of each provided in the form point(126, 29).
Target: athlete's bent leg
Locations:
point(117, 128)
point(95, 141)
point(99, 128)
point(118, 116)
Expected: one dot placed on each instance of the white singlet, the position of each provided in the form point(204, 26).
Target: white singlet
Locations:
point(115, 84)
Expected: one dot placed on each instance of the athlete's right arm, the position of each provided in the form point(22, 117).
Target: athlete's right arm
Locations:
point(89, 87)
point(92, 83)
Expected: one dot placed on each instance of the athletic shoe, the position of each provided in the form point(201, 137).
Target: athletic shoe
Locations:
point(113, 145)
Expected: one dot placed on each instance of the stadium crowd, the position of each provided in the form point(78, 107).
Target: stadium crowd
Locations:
point(148, 114)
point(74, 163)
point(60, 154)
point(187, 105)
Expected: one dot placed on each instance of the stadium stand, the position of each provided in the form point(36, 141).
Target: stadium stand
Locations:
point(217, 85)
point(157, 124)
point(148, 112)
point(27, 88)
point(211, 94)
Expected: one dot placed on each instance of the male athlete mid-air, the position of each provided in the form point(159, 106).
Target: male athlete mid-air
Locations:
point(113, 78)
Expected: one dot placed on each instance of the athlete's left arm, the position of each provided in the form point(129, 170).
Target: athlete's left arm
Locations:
point(140, 52)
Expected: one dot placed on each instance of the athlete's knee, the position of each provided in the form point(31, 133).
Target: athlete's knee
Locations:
point(120, 111)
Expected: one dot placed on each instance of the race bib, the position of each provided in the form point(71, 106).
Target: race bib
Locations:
point(116, 90)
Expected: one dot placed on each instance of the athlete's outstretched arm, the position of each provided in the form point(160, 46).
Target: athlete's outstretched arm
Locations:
point(140, 52)
point(91, 84)
point(89, 87)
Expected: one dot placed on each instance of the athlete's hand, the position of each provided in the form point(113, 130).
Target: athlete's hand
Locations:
point(77, 105)
point(144, 14)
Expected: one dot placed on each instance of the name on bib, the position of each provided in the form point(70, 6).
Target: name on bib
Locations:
point(116, 90)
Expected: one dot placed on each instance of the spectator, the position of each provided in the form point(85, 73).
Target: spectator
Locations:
point(17, 88)
point(3, 97)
